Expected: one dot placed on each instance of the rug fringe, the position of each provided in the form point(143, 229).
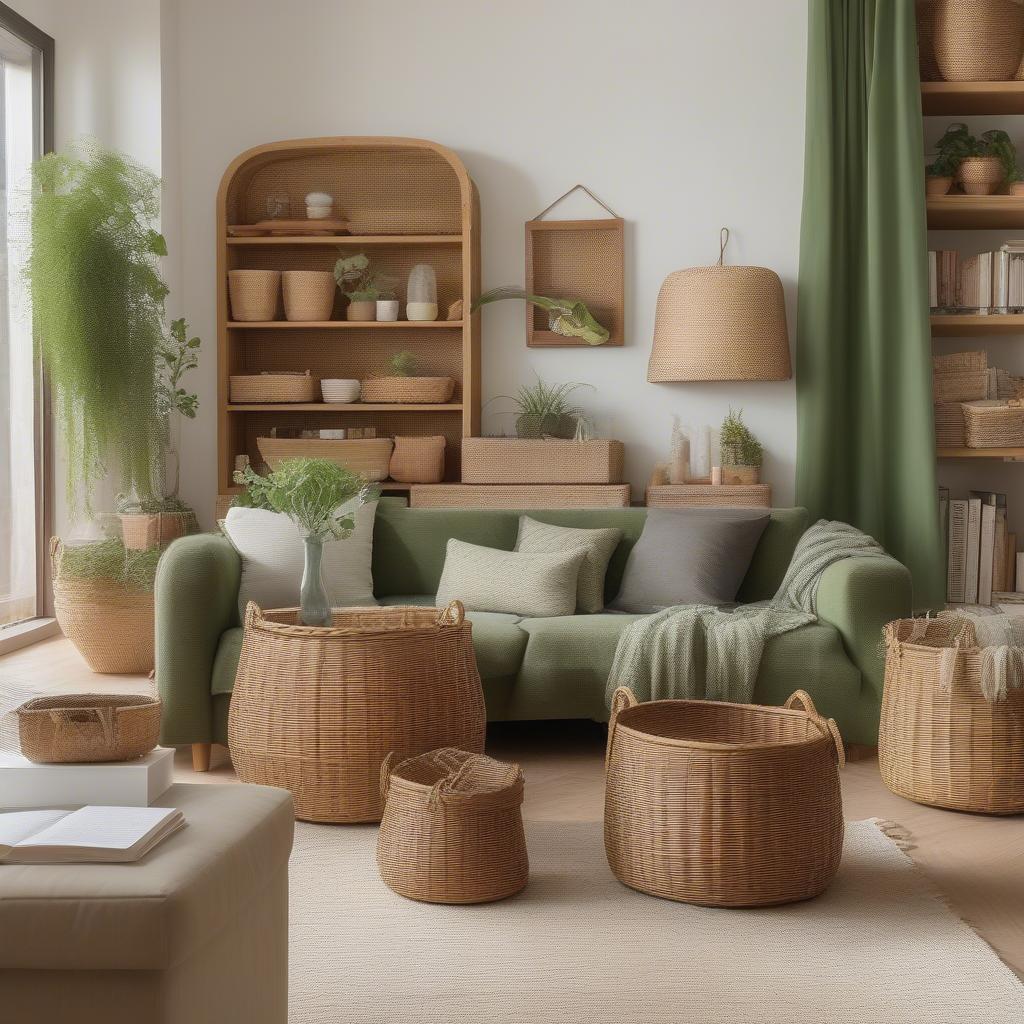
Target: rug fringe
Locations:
point(897, 833)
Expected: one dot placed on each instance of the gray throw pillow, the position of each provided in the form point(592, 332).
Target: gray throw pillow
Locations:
point(597, 547)
point(689, 556)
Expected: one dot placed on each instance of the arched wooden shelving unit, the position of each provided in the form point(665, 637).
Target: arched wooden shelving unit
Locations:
point(407, 201)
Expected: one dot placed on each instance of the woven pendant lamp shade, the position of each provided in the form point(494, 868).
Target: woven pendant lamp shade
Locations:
point(720, 323)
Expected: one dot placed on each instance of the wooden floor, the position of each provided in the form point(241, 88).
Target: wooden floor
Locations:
point(977, 862)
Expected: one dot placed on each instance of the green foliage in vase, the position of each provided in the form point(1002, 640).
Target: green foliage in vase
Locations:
point(174, 358)
point(93, 272)
point(111, 561)
point(567, 317)
point(361, 284)
point(544, 410)
point(403, 364)
point(311, 493)
point(738, 445)
point(957, 144)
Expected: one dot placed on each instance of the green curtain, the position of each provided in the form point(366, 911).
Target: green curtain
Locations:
point(866, 442)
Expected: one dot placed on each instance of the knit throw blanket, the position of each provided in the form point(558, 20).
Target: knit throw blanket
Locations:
point(1001, 640)
point(701, 651)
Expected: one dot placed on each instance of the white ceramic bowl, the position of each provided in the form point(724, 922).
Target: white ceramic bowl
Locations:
point(340, 391)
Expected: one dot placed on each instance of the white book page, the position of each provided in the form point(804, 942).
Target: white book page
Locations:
point(17, 826)
point(102, 828)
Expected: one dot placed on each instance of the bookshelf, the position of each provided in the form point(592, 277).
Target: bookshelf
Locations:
point(967, 99)
point(994, 325)
point(975, 213)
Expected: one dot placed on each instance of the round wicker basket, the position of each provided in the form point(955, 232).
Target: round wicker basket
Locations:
point(948, 747)
point(980, 175)
point(315, 710)
point(452, 830)
point(308, 294)
point(978, 40)
point(411, 390)
point(719, 804)
point(254, 294)
point(83, 727)
point(274, 387)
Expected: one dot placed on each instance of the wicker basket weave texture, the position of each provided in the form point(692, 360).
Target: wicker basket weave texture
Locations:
point(978, 40)
point(317, 710)
point(254, 294)
point(967, 385)
point(308, 294)
point(88, 727)
point(947, 748)
point(927, 65)
point(993, 424)
point(980, 175)
point(368, 456)
point(512, 460)
point(709, 496)
point(949, 425)
point(452, 828)
point(418, 460)
point(433, 390)
point(520, 496)
point(723, 804)
point(971, 360)
point(275, 387)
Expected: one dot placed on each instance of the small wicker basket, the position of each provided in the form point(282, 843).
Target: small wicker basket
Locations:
point(408, 390)
point(948, 747)
point(370, 456)
point(85, 727)
point(977, 40)
point(275, 387)
point(254, 294)
point(993, 424)
point(452, 828)
point(418, 460)
point(964, 385)
point(719, 804)
point(308, 294)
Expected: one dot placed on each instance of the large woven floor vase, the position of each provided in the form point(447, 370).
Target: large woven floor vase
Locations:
point(727, 805)
point(943, 743)
point(316, 710)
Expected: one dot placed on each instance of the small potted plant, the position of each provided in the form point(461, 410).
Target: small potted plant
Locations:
point(405, 384)
point(981, 164)
point(544, 410)
point(362, 286)
point(740, 452)
point(387, 305)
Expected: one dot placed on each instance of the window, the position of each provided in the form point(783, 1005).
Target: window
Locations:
point(26, 90)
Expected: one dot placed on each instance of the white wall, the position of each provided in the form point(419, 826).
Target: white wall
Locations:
point(683, 116)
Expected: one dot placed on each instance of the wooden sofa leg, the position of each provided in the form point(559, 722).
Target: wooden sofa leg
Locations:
point(201, 756)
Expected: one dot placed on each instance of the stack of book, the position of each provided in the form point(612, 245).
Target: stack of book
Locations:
point(983, 283)
point(943, 278)
point(982, 553)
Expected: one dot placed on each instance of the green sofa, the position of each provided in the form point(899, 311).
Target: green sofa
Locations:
point(531, 668)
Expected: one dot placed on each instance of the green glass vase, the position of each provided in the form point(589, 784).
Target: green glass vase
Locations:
point(314, 604)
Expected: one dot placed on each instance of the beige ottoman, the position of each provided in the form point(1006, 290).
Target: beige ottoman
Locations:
point(196, 932)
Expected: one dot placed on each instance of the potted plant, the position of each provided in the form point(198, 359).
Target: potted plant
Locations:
point(406, 384)
point(741, 453)
point(387, 305)
point(980, 164)
point(567, 317)
point(544, 410)
point(321, 498)
point(361, 285)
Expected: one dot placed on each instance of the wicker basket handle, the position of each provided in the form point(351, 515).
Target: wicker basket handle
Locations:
point(827, 726)
point(622, 699)
point(454, 614)
point(252, 613)
point(64, 718)
point(56, 550)
point(385, 775)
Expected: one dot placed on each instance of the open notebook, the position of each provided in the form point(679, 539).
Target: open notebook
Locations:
point(97, 834)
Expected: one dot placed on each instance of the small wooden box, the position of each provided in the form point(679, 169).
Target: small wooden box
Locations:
point(709, 496)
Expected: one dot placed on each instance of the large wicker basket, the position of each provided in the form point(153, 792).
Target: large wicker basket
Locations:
point(275, 387)
point(977, 40)
point(88, 727)
point(316, 710)
point(993, 424)
point(721, 804)
point(408, 390)
point(369, 456)
point(452, 830)
point(960, 377)
point(948, 747)
point(513, 460)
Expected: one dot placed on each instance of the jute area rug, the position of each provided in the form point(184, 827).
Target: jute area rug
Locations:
point(577, 947)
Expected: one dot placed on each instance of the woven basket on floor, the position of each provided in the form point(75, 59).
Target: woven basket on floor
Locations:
point(728, 805)
point(514, 460)
point(254, 294)
point(316, 710)
point(88, 727)
point(275, 387)
point(452, 829)
point(418, 460)
point(947, 748)
point(978, 40)
point(368, 456)
point(993, 424)
point(308, 294)
point(949, 425)
point(409, 390)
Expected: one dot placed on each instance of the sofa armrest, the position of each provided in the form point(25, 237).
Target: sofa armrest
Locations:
point(196, 601)
point(859, 596)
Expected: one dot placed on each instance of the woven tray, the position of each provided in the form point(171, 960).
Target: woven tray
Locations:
point(512, 460)
point(274, 387)
point(369, 456)
point(706, 495)
point(521, 496)
point(993, 424)
point(411, 390)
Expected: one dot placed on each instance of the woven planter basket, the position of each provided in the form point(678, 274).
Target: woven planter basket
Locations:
point(82, 727)
point(408, 390)
point(949, 425)
point(418, 460)
point(959, 385)
point(452, 828)
point(709, 496)
point(143, 530)
point(513, 460)
point(980, 175)
point(978, 40)
point(111, 626)
point(728, 805)
point(254, 294)
point(317, 710)
point(368, 456)
point(993, 424)
point(308, 294)
point(947, 748)
point(274, 387)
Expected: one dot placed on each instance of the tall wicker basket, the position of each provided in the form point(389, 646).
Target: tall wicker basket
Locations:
point(727, 805)
point(316, 710)
point(948, 747)
point(452, 830)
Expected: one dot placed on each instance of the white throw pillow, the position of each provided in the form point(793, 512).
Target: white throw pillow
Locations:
point(272, 553)
point(492, 580)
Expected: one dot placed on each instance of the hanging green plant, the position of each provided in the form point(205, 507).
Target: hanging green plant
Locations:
point(567, 317)
point(98, 306)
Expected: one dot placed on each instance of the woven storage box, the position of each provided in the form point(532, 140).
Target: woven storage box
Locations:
point(993, 424)
point(722, 804)
point(947, 747)
point(521, 496)
point(274, 387)
point(949, 425)
point(308, 294)
point(254, 294)
point(965, 385)
point(370, 456)
point(316, 710)
point(81, 727)
point(512, 460)
point(418, 460)
point(708, 495)
point(452, 828)
point(408, 390)
point(977, 40)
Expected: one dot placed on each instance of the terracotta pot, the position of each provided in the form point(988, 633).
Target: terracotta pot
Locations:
point(362, 311)
point(934, 185)
point(981, 175)
point(978, 40)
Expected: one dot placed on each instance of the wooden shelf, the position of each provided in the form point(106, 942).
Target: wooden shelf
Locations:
point(960, 99)
point(1003, 454)
point(344, 407)
point(333, 240)
point(975, 213)
point(957, 325)
point(340, 325)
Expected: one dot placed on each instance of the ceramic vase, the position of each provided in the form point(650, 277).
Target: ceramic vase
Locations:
point(314, 604)
point(387, 310)
point(361, 310)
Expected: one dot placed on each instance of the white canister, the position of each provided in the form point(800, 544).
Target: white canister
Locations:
point(318, 205)
point(387, 309)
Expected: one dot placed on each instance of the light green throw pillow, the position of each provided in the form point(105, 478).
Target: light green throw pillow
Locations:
point(491, 580)
point(597, 547)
